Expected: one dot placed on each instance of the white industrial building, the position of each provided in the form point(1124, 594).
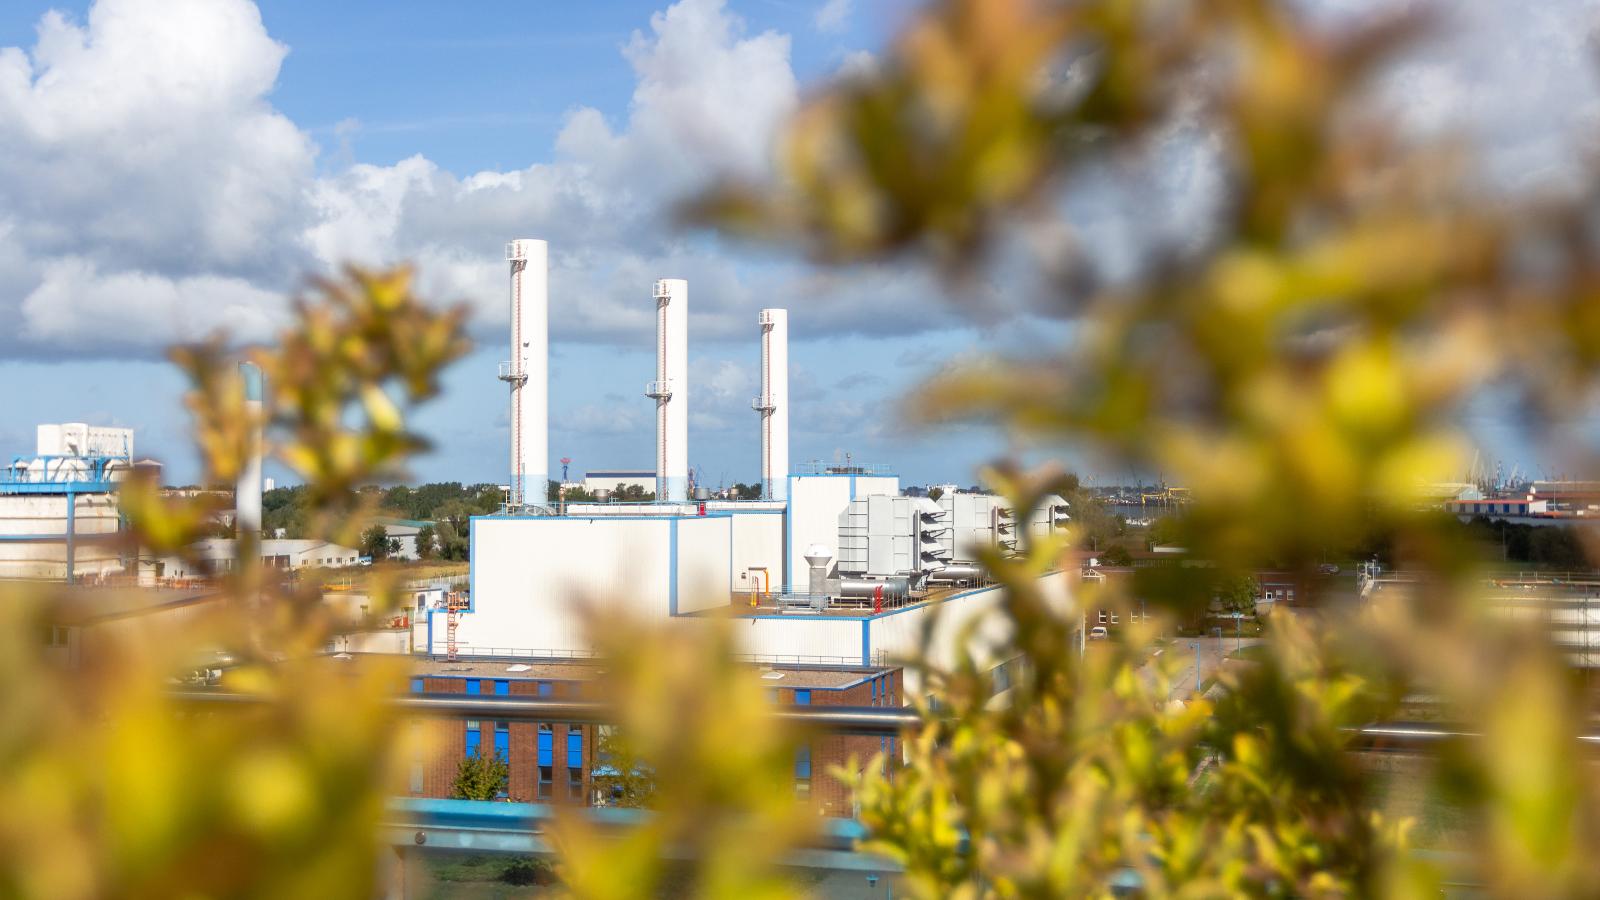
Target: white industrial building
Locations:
point(602, 482)
point(58, 507)
point(832, 565)
point(216, 555)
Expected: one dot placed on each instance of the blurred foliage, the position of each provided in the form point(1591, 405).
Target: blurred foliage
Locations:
point(721, 770)
point(113, 788)
point(1302, 369)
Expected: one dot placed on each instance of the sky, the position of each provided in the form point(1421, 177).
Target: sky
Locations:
point(173, 167)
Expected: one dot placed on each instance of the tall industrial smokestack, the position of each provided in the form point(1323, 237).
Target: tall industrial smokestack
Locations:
point(671, 389)
point(773, 404)
point(247, 491)
point(528, 371)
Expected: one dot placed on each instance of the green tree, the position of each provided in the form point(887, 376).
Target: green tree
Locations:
point(1238, 594)
point(480, 776)
point(427, 542)
point(1116, 555)
point(375, 543)
point(934, 493)
point(623, 779)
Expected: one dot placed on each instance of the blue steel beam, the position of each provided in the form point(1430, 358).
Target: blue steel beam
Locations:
point(488, 826)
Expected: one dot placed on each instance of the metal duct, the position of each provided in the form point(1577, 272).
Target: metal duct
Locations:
point(862, 589)
point(956, 573)
point(818, 557)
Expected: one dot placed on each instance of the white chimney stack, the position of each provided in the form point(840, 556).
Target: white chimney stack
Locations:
point(773, 404)
point(528, 371)
point(670, 389)
point(247, 491)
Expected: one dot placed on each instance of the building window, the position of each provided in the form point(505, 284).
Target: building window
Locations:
point(474, 686)
point(574, 748)
point(544, 689)
point(802, 698)
point(574, 783)
point(802, 772)
point(874, 691)
point(546, 752)
point(502, 686)
point(474, 737)
point(502, 741)
point(416, 686)
point(546, 782)
point(1002, 677)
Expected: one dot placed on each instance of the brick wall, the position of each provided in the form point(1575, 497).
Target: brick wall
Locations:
point(828, 794)
point(447, 743)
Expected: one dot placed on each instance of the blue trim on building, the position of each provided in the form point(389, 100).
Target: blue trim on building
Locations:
point(866, 642)
point(664, 517)
point(672, 566)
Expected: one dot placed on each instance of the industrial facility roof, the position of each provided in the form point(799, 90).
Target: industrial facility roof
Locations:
point(793, 676)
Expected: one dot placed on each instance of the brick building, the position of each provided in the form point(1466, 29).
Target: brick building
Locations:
point(550, 762)
point(836, 686)
point(556, 763)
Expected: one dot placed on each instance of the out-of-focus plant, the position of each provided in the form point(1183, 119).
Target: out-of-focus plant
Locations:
point(112, 788)
point(721, 791)
point(1303, 372)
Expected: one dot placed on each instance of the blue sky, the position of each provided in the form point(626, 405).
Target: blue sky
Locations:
point(177, 166)
point(377, 84)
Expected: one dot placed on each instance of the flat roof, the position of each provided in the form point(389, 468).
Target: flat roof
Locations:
point(740, 608)
point(794, 675)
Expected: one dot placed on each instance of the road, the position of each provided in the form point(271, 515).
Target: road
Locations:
point(1210, 652)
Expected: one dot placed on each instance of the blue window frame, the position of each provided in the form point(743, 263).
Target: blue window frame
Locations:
point(802, 698)
point(474, 686)
point(474, 737)
point(547, 745)
point(416, 686)
point(802, 763)
point(574, 748)
point(502, 741)
point(544, 688)
point(502, 686)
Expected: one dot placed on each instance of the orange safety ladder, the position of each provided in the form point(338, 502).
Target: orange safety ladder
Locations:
point(454, 602)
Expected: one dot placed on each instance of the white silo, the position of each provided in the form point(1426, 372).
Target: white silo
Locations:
point(528, 371)
point(247, 490)
point(773, 404)
point(670, 389)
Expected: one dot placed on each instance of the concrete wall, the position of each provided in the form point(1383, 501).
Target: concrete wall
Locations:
point(532, 577)
point(757, 542)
